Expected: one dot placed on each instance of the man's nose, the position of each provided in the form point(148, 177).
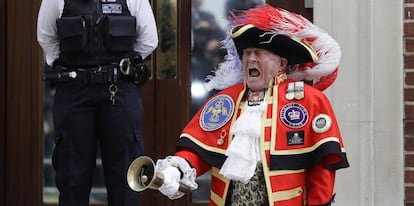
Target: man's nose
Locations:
point(251, 57)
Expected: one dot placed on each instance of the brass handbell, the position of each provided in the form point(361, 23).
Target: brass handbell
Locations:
point(142, 175)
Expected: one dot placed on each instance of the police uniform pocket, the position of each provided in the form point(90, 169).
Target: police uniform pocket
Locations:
point(137, 144)
point(72, 33)
point(121, 33)
point(137, 136)
point(55, 150)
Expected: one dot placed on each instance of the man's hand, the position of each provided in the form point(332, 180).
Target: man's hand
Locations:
point(171, 183)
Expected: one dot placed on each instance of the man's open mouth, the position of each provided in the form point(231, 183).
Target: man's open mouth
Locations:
point(253, 72)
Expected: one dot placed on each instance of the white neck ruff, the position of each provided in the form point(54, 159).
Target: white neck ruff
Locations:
point(243, 152)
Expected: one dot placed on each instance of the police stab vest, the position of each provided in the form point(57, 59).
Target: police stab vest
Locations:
point(95, 32)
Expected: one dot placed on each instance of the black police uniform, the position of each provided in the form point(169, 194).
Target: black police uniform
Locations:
point(100, 106)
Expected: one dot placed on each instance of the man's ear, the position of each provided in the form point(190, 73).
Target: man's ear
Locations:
point(283, 62)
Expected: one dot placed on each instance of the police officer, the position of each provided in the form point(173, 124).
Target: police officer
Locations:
point(96, 49)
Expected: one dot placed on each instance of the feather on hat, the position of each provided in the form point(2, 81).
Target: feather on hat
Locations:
point(276, 21)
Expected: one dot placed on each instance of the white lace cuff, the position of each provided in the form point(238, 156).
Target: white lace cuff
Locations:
point(188, 173)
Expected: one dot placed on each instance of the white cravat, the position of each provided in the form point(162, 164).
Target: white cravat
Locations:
point(243, 152)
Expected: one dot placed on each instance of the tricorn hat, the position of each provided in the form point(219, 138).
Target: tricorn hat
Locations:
point(249, 36)
point(288, 35)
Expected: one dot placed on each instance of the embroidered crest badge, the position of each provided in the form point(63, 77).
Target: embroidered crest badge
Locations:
point(294, 115)
point(295, 138)
point(321, 123)
point(216, 112)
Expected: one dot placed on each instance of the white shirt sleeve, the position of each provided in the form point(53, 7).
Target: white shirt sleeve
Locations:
point(49, 12)
point(147, 36)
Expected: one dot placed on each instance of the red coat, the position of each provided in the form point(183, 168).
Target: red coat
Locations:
point(301, 146)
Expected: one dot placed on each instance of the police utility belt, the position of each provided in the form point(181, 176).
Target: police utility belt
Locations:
point(127, 69)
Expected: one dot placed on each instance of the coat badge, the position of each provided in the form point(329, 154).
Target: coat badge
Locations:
point(111, 8)
point(294, 115)
point(216, 112)
point(295, 138)
point(321, 123)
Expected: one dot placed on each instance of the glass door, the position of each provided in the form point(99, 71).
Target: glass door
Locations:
point(209, 19)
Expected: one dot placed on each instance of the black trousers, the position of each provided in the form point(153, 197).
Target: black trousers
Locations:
point(84, 117)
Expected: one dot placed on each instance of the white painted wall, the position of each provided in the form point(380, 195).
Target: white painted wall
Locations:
point(368, 97)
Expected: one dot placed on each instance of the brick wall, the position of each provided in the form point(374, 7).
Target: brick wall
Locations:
point(409, 100)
